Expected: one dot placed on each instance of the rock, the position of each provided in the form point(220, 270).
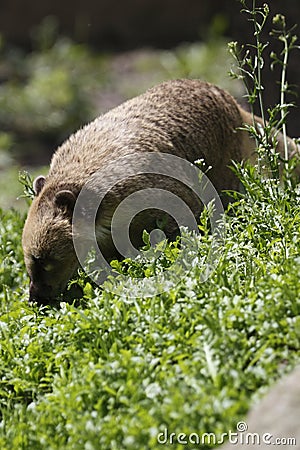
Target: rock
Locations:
point(273, 422)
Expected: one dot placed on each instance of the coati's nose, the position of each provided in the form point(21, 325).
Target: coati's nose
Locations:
point(40, 293)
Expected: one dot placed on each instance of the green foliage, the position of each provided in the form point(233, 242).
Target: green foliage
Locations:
point(12, 271)
point(5, 142)
point(60, 85)
point(53, 92)
point(205, 60)
point(114, 374)
point(49, 93)
point(14, 194)
point(26, 181)
point(117, 371)
point(250, 61)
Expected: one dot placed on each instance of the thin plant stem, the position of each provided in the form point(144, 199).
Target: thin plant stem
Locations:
point(282, 97)
point(259, 58)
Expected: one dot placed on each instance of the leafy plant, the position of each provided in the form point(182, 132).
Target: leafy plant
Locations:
point(250, 61)
point(26, 181)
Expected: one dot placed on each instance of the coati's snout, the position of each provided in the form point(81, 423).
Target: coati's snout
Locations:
point(40, 293)
point(49, 277)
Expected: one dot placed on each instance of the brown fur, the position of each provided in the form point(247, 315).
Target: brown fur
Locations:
point(187, 118)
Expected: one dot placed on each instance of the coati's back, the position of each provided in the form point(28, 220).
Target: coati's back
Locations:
point(188, 118)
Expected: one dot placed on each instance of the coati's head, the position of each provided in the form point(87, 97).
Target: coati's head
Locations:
point(47, 242)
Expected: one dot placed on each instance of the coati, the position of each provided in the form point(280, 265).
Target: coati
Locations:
point(190, 119)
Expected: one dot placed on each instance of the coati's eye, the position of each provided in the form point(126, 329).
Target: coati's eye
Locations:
point(43, 264)
point(48, 267)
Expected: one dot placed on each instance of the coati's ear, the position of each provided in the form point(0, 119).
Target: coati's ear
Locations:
point(38, 184)
point(65, 200)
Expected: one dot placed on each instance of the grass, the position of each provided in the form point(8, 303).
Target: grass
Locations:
point(115, 371)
